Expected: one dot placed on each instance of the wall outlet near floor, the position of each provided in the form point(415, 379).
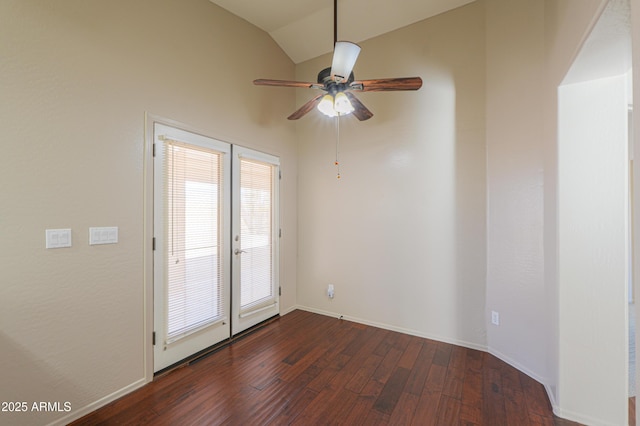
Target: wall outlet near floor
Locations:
point(495, 318)
point(330, 291)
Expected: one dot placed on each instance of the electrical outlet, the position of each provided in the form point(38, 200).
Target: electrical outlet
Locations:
point(495, 318)
point(330, 291)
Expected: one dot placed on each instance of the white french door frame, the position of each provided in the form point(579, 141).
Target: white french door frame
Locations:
point(167, 350)
point(243, 319)
point(148, 235)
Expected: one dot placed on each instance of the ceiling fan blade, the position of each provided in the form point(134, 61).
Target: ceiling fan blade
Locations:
point(286, 83)
point(345, 55)
point(304, 109)
point(387, 84)
point(360, 111)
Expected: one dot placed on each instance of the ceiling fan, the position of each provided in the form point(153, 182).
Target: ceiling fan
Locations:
point(338, 82)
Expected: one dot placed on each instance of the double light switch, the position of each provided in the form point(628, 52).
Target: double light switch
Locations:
point(103, 235)
point(59, 238)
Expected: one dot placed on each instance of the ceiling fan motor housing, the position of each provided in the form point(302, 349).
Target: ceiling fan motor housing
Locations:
point(324, 78)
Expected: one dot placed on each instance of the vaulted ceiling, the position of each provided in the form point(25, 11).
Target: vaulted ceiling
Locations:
point(304, 28)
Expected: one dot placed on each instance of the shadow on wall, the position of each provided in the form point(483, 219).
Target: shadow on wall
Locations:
point(22, 372)
point(413, 205)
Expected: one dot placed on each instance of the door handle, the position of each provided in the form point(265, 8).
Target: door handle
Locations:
point(238, 251)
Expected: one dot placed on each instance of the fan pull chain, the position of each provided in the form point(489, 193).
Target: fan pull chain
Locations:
point(337, 163)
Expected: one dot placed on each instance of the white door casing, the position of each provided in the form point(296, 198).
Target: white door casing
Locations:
point(255, 238)
point(192, 240)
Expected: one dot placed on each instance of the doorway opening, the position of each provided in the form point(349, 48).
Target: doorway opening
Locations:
point(594, 220)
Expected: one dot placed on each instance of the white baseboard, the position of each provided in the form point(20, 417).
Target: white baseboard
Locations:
point(76, 414)
point(515, 364)
point(578, 418)
point(411, 332)
point(564, 414)
point(288, 310)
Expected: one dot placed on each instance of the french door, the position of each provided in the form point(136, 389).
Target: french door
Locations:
point(215, 216)
point(255, 238)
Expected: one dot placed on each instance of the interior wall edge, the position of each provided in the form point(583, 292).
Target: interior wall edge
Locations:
point(635, 142)
point(289, 310)
point(585, 36)
point(552, 398)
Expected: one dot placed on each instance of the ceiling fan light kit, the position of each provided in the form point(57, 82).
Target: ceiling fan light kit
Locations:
point(335, 106)
point(341, 104)
point(326, 106)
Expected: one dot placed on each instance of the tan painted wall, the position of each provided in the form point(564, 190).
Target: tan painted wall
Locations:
point(515, 280)
point(531, 58)
point(76, 78)
point(402, 234)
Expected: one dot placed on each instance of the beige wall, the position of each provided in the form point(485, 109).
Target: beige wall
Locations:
point(553, 316)
point(76, 78)
point(592, 250)
point(567, 332)
point(515, 268)
point(401, 235)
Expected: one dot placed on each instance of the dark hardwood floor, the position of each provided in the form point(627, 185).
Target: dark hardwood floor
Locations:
point(309, 369)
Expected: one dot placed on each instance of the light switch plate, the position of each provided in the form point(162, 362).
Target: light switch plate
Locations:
point(103, 235)
point(57, 238)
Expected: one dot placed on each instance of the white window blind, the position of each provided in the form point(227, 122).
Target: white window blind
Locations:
point(193, 252)
point(256, 235)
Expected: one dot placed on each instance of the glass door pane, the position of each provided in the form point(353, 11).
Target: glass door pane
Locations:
point(255, 260)
point(256, 205)
point(191, 228)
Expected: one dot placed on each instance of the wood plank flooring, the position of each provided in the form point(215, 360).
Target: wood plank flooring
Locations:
point(309, 369)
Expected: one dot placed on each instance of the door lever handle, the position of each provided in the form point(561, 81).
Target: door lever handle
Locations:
point(238, 251)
